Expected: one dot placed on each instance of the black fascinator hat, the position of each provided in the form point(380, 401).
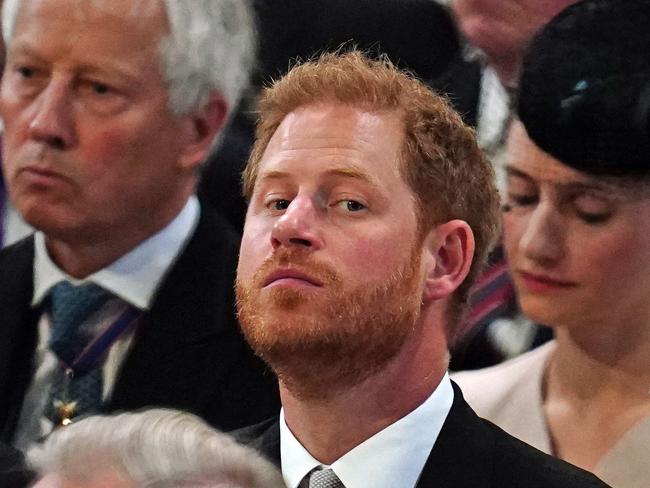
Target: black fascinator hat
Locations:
point(585, 87)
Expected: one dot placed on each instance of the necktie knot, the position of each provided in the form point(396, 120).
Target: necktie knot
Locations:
point(71, 307)
point(324, 478)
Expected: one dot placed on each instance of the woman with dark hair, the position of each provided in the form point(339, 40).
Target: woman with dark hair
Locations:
point(576, 227)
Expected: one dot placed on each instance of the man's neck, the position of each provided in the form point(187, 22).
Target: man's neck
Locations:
point(82, 255)
point(331, 426)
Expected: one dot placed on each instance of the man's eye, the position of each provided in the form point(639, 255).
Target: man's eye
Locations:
point(280, 204)
point(100, 88)
point(25, 71)
point(351, 205)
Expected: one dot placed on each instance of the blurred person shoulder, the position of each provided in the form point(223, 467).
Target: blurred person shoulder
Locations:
point(510, 395)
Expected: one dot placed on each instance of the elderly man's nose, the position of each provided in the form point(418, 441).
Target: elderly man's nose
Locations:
point(53, 119)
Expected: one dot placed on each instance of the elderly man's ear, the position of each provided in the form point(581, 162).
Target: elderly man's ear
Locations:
point(449, 250)
point(200, 128)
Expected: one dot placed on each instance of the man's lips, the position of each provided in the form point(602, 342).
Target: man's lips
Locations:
point(290, 276)
point(539, 282)
point(41, 173)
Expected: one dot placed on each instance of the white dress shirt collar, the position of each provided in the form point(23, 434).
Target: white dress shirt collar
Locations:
point(392, 457)
point(135, 276)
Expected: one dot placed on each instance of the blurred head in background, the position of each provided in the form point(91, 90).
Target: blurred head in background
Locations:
point(150, 449)
point(502, 29)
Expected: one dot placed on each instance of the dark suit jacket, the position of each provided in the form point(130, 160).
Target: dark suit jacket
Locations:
point(13, 470)
point(188, 352)
point(469, 453)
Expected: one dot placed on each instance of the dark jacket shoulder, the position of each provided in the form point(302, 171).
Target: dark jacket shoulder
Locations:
point(19, 331)
point(473, 452)
point(263, 437)
point(469, 452)
point(14, 472)
point(517, 461)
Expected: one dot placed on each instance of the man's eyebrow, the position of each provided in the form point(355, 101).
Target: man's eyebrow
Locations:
point(353, 173)
point(343, 172)
point(114, 70)
point(23, 49)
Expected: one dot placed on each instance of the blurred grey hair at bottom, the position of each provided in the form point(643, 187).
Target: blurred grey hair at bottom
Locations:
point(211, 47)
point(156, 448)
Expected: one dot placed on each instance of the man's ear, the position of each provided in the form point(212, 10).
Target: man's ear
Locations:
point(450, 250)
point(201, 127)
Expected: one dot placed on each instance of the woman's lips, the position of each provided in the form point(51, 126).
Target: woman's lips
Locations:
point(542, 283)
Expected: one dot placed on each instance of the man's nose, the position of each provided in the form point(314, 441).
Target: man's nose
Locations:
point(53, 120)
point(298, 225)
point(543, 239)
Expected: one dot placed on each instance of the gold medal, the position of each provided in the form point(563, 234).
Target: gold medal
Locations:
point(65, 411)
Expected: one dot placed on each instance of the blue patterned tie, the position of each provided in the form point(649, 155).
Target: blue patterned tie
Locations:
point(71, 307)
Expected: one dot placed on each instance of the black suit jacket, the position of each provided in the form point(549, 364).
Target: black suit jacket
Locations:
point(188, 352)
point(470, 452)
point(13, 470)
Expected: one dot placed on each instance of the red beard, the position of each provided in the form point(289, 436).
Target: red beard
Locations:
point(331, 338)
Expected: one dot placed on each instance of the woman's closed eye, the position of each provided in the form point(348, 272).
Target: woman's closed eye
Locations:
point(520, 200)
point(593, 210)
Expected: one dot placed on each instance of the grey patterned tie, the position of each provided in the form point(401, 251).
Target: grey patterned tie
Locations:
point(324, 478)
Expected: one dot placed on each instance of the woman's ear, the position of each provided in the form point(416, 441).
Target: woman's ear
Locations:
point(201, 128)
point(450, 250)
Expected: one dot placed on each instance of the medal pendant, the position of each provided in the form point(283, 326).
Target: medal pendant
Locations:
point(65, 411)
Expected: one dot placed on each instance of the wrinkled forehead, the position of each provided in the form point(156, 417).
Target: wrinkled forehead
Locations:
point(14, 11)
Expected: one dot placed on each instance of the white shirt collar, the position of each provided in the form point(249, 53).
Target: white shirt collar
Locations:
point(135, 276)
point(392, 457)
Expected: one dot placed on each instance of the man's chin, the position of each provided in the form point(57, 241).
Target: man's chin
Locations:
point(316, 358)
point(317, 371)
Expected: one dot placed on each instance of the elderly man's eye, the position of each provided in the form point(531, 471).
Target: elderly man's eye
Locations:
point(25, 71)
point(100, 88)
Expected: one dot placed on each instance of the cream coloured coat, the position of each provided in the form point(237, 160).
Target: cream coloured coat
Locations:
point(510, 395)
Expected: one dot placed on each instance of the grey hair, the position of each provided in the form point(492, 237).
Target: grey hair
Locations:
point(156, 448)
point(210, 48)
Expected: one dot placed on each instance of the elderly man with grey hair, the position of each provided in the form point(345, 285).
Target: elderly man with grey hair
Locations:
point(150, 449)
point(123, 298)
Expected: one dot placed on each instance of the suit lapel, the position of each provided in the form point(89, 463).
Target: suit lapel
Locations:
point(463, 452)
point(190, 336)
point(461, 457)
point(268, 443)
point(19, 331)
